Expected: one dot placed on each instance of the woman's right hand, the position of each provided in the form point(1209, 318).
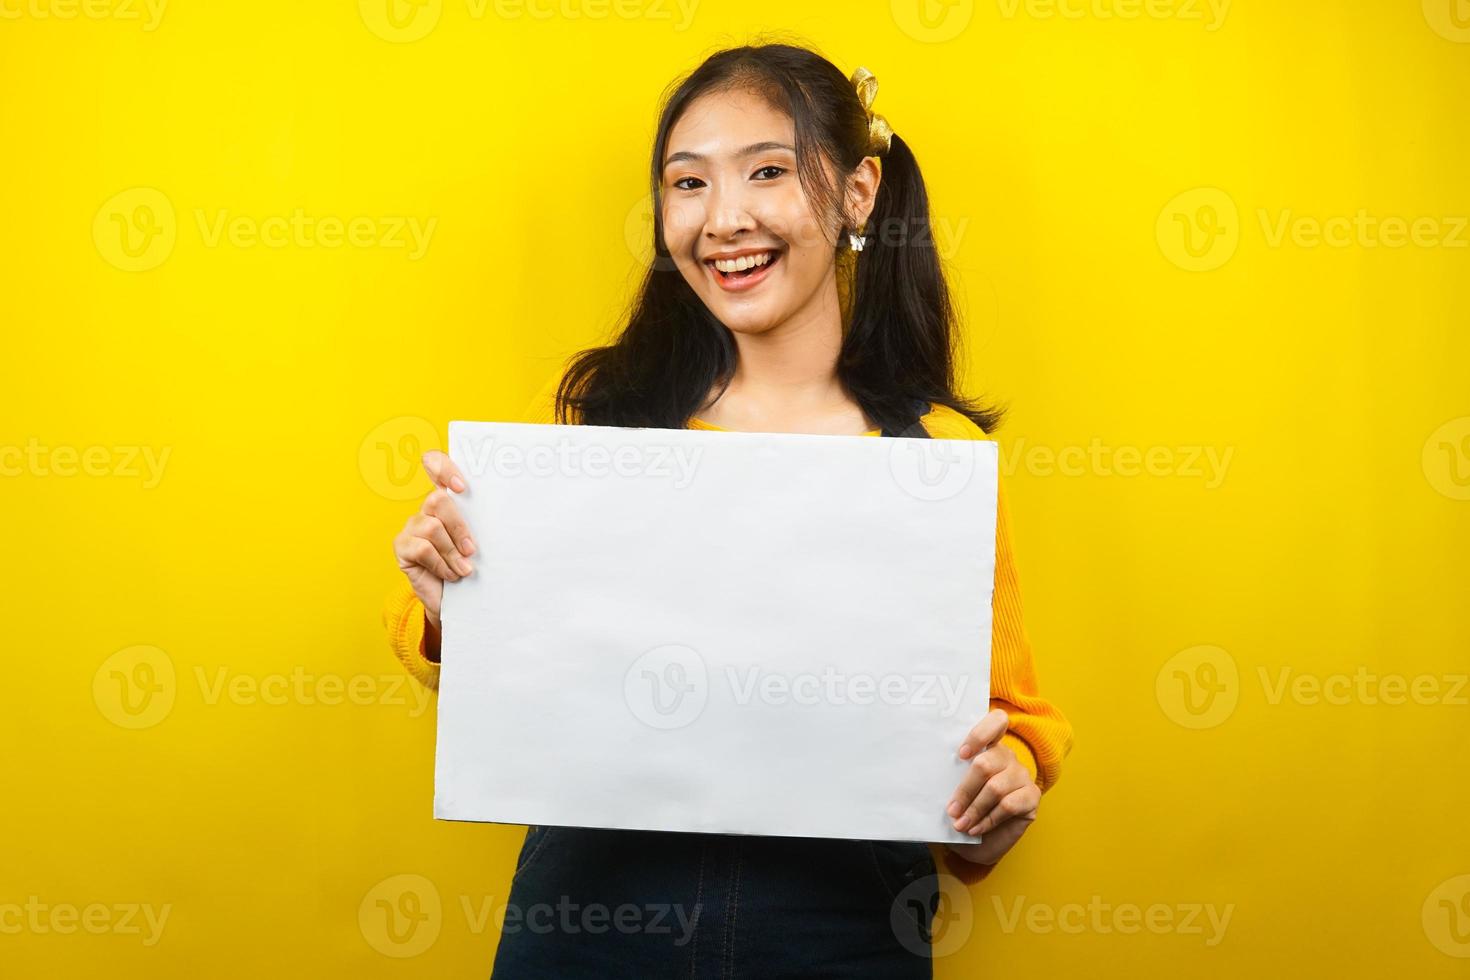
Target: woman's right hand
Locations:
point(434, 545)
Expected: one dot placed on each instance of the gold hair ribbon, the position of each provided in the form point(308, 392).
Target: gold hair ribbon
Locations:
point(880, 134)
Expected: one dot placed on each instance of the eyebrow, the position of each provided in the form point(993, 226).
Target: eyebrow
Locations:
point(745, 151)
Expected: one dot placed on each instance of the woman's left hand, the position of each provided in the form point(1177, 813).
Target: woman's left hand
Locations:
point(997, 799)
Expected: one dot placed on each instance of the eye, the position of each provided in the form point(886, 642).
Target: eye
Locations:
point(680, 183)
point(779, 170)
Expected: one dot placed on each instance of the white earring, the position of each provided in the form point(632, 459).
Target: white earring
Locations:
point(856, 241)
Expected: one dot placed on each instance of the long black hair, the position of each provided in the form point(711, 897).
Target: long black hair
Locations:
point(900, 337)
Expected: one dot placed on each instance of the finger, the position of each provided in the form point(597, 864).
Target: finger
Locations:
point(997, 789)
point(443, 472)
point(432, 530)
point(421, 552)
point(998, 785)
point(439, 505)
point(995, 844)
point(1019, 803)
point(986, 731)
point(986, 765)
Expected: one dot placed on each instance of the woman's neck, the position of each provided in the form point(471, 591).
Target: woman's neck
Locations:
point(786, 379)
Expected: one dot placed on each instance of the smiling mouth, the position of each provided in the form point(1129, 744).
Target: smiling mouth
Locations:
point(737, 279)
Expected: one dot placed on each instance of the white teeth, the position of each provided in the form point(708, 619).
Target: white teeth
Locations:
point(744, 262)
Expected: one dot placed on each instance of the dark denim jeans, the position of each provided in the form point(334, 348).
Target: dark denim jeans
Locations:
point(632, 903)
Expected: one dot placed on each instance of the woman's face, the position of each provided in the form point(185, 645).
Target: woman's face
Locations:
point(731, 192)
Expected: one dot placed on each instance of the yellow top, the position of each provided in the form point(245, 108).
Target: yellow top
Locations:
point(698, 423)
point(1039, 734)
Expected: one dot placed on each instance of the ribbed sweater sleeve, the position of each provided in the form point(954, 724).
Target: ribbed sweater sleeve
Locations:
point(404, 619)
point(1039, 734)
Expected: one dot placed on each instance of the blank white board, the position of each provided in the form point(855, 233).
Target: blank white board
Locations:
point(711, 631)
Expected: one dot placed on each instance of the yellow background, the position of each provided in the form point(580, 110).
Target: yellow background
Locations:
point(1067, 152)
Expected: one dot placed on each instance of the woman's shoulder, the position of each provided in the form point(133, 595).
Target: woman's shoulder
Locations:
point(943, 422)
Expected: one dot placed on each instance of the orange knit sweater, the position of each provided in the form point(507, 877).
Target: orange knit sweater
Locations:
point(1039, 734)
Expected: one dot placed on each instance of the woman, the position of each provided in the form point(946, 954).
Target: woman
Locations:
point(794, 288)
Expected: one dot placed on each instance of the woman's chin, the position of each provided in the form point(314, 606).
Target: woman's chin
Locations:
point(747, 322)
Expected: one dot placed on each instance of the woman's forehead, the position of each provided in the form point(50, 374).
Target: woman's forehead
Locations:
point(720, 122)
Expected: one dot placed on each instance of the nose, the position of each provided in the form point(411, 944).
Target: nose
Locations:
point(727, 214)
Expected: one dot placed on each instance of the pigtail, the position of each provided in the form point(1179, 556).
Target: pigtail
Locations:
point(899, 352)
